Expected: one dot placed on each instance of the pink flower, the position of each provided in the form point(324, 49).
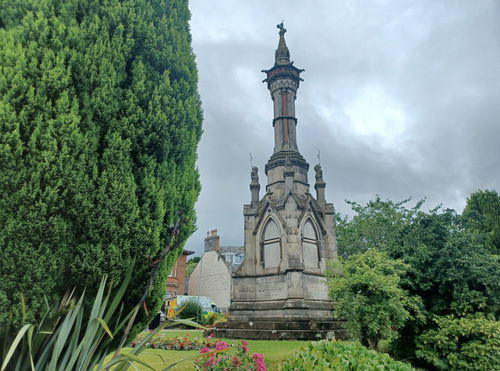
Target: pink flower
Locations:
point(204, 350)
point(244, 346)
point(210, 336)
point(259, 361)
point(220, 345)
point(236, 361)
point(212, 360)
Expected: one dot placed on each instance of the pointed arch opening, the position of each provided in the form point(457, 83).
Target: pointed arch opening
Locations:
point(310, 245)
point(271, 245)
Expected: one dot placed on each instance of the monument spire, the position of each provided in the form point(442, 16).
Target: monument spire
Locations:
point(282, 54)
point(283, 81)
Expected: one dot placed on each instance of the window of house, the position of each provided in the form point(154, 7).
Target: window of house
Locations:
point(173, 271)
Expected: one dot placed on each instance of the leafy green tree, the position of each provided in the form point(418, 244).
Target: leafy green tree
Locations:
point(379, 224)
point(368, 295)
point(450, 268)
point(482, 216)
point(99, 123)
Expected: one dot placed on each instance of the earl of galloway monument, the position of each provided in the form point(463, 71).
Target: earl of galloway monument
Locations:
point(280, 291)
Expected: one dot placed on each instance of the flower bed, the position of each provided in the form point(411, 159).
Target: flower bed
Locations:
point(220, 359)
point(185, 342)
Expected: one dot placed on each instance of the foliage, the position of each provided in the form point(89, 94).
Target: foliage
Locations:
point(99, 123)
point(450, 270)
point(450, 267)
point(214, 318)
point(69, 338)
point(190, 309)
point(191, 265)
point(327, 355)
point(469, 343)
point(377, 225)
point(195, 259)
point(161, 341)
point(368, 295)
point(482, 216)
point(221, 359)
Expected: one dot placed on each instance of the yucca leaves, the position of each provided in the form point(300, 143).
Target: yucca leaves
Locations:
point(68, 339)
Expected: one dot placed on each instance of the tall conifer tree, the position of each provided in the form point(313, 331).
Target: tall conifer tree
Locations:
point(99, 124)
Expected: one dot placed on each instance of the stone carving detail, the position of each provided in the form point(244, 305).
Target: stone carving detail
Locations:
point(282, 29)
point(283, 84)
point(255, 175)
point(319, 173)
point(254, 184)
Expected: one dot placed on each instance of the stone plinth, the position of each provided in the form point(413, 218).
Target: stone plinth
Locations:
point(280, 330)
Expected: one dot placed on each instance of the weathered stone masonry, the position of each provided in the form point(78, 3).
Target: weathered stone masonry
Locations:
point(289, 234)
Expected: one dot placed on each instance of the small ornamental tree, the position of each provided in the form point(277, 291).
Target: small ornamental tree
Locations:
point(368, 295)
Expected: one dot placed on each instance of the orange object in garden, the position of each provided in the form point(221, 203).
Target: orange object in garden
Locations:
point(171, 305)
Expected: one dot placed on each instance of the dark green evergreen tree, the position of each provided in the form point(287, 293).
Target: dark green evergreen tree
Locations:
point(99, 124)
point(482, 217)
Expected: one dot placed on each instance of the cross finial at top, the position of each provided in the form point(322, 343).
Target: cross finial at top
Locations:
point(282, 28)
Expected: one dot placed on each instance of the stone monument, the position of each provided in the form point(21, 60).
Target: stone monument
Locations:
point(280, 291)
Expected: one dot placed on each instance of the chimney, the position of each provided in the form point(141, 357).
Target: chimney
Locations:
point(212, 241)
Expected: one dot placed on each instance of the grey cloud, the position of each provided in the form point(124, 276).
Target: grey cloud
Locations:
point(437, 63)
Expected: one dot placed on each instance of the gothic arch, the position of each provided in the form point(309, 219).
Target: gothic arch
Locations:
point(311, 243)
point(270, 244)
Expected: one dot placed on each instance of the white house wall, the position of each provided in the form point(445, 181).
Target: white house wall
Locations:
point(212, 277)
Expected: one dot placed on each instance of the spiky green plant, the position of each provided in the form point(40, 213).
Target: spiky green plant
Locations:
point(67, 338)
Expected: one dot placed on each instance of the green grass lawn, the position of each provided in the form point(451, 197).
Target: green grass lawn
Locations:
point(274, 351)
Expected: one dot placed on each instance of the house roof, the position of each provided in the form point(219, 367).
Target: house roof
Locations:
point(232, 249)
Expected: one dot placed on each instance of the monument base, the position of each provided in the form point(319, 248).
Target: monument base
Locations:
point(290, 319)
point(280, 330)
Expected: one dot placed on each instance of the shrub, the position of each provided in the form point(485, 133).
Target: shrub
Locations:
point(468, 343)
point(214, 318)
point(327, 355)
point(191, 309)
point(370, 298)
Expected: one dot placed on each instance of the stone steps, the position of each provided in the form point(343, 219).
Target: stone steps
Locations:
point(279, 330)
point(280, 325)
point(250, 334)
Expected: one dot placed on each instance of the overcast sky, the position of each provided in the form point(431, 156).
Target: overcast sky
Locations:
point(402, 98)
